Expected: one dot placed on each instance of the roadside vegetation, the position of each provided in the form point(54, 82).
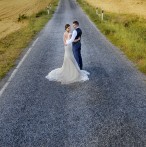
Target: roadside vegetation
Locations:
point(13, 43)
point(126, 31)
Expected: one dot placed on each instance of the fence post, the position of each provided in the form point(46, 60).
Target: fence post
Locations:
point(48, 10)
point(50, 6)
point(102, 14)
point(96, 10)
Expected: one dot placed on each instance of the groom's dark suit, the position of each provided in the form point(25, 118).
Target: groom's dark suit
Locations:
point(77, 48)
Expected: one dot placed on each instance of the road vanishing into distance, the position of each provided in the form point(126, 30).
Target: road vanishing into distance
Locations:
point(109, 110)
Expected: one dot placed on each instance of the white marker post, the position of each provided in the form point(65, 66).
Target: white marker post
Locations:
point(50, 6)
point(48, 10)
point(102, 14)
point(96, 10)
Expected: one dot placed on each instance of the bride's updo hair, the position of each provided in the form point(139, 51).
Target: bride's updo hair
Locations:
point(66, 26)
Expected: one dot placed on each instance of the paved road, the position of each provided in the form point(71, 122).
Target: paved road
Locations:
point(107, 111)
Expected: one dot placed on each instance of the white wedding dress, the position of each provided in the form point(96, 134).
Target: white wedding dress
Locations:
point(69, 72)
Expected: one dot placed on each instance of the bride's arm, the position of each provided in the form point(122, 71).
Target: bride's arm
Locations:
point(64, 39)
point(76, 40)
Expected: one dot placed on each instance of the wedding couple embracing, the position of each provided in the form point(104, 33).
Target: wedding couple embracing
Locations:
point(71, 70)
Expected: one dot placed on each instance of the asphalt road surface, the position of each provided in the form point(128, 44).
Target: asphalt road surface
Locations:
point(109, 110)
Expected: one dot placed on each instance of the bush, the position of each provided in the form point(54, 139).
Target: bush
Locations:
point(22, 17)
point(40, 13)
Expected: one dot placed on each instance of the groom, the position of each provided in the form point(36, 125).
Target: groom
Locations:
point(77, 33)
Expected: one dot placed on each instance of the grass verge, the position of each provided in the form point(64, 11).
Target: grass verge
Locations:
point(12, 45)
point(127, 32)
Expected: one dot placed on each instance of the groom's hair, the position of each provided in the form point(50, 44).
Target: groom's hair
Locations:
point(66, 26)
point(76, 23)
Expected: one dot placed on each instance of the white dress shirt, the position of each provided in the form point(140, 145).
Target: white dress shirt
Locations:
point(74, 34)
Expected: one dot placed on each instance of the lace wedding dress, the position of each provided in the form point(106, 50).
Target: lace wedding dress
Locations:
point(69, 72)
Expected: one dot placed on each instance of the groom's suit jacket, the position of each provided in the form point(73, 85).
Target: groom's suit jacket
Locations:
point(79, 34)
point(75, 35)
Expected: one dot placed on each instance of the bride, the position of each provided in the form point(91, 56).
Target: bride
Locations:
point(70, 71)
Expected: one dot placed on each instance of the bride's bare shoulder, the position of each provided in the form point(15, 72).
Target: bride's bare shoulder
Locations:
point(65, 34)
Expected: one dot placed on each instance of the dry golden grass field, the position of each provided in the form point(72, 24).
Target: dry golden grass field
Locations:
point(137, 7)
point(11, 9)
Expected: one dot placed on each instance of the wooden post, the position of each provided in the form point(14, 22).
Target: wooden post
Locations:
point(102, 14)
point(50, 6)
point(96, 10)
point(48, 10)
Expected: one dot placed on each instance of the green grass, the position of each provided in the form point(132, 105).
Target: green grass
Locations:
point(127, 32)
point(12, 45)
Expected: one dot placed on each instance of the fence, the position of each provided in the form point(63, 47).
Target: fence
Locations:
point(49, 8)
point(99, 13)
